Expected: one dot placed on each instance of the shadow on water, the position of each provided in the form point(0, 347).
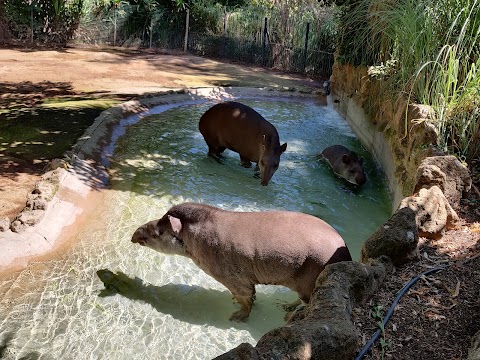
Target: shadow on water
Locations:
point(192, 304)
point(7, 343)
point(4, 344)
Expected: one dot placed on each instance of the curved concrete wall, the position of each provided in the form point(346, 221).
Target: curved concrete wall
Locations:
point(373, 139)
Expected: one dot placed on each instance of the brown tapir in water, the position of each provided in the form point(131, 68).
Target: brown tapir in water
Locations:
point(345, 163)
point(242, 249)
point(234, 126)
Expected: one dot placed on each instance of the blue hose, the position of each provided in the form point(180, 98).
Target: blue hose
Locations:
point(402, 292)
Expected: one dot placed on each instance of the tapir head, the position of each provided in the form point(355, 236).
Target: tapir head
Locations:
point(270, 159)
point(352, 169)
point(161, 235)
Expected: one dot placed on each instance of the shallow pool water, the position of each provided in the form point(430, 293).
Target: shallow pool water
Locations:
point(154, 306)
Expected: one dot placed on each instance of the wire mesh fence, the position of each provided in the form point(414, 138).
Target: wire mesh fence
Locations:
point(287, 44)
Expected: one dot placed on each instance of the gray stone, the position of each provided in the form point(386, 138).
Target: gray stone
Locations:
point(55, 164)
point(55, 176)
point(433, 212)
point(31, 217)
point(474, 351)
point(4, 223)
point(17, 226)
point(397, 239)
point(446, 172)
point(46, 189)
point(36, 202)
point(244, 351)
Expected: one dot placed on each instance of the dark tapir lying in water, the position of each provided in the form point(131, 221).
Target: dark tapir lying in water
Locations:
point(234, 126)
point(242, 249)
point(345, 163)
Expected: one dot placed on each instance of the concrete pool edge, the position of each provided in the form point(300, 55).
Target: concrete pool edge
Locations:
point(81, 185)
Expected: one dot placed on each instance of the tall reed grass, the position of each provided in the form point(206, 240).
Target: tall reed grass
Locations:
point(434, 47)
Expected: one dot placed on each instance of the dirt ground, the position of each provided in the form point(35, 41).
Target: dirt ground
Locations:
point(434, 320)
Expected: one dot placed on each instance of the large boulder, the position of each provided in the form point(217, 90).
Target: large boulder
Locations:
point(323, 329)
point(446, 172)
point(397, 239)
point(433, 212)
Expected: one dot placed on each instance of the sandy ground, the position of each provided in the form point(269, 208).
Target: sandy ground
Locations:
point(87, 71)
point(133, 72)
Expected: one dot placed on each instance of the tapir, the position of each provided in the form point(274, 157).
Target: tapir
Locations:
point(238, 127)
point(242, 249)
point(345, 163)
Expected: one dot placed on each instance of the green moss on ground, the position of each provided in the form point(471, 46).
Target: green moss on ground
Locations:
point(44, 132)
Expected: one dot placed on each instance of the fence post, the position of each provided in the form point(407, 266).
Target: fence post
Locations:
point(224, 30)
point(306, 47)
point(185, 45)
point(114, 26)
point(264, 43)
point(151, 32)
point(31, 23)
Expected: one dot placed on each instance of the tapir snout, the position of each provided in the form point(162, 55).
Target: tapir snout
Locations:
point(269, 162)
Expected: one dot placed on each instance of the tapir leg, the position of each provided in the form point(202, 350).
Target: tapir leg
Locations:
point(256, 172)
point(215, 151)
point(245, 162)
point(244, 296)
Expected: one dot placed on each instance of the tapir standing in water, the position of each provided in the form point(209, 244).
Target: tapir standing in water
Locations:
point(345, 163)
point(238, 127)
point(242, 249)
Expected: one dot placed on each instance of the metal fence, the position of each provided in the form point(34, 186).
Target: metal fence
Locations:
point(258, 41)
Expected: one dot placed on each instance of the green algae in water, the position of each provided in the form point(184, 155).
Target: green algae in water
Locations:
point(108, 298)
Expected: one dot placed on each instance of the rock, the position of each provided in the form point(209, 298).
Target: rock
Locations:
point(46, 189)
point(397, 239)
point(36, 202)
point(446, 172)
point(433, 212)
point(4, 223)
point(55, 176)
point(323, 329)
point(243, 351)
point(474, 351)
point(17, 226)
point(55, 164)
point(30, 217)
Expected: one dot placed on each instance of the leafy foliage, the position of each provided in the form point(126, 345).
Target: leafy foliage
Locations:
point(429, 51)
point(52, 21)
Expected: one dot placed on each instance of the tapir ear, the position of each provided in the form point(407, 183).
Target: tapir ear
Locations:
point(283, 148)
point(345, 158)
point(176, 224)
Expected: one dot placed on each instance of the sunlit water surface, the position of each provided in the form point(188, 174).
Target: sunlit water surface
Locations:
point(163, 307)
